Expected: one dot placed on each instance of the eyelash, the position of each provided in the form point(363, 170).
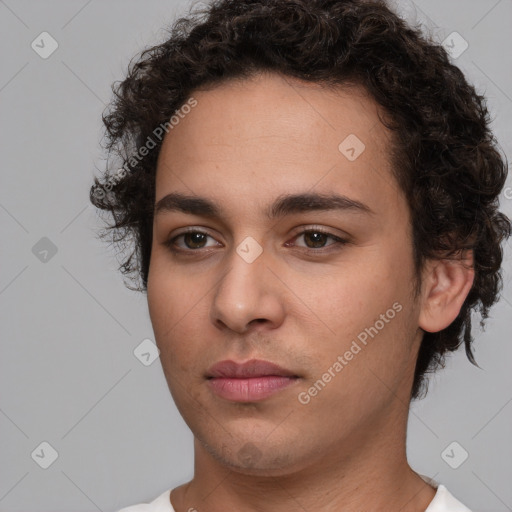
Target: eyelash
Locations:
point(170, 244)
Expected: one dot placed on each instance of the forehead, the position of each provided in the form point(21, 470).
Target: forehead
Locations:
point(275, 134)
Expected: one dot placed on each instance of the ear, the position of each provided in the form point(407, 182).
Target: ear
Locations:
point(445, 286)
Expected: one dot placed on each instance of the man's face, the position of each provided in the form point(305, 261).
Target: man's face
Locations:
point(339, 316)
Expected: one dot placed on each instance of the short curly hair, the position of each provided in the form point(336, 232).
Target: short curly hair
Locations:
point(444, 156)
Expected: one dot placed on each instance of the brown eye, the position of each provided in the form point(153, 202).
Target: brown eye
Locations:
point(315, 239)
point(190, 241)
point(194, 240)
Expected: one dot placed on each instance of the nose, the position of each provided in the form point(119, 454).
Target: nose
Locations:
point(248, 295)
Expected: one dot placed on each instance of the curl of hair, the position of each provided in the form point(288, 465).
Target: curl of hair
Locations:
point(444, 155)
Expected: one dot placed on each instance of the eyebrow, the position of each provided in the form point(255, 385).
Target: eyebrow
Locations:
point(286, 204)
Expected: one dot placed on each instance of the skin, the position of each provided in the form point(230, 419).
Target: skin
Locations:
point(245, 144)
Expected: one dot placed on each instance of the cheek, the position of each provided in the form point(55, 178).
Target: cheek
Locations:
point(352, 298)
point(350, 304)
point(178, 305)
point(170, 293)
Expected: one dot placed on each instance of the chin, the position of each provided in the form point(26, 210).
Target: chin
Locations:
point(256, 458)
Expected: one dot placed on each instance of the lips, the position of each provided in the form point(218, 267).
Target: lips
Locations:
point(247, 370)
point(251, 381)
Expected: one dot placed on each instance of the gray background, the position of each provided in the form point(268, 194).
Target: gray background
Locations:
point(68, 374)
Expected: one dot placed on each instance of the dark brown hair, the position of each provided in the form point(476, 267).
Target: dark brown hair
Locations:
point(444, 155)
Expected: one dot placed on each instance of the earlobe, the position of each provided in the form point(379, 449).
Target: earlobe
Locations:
point(446, 284)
